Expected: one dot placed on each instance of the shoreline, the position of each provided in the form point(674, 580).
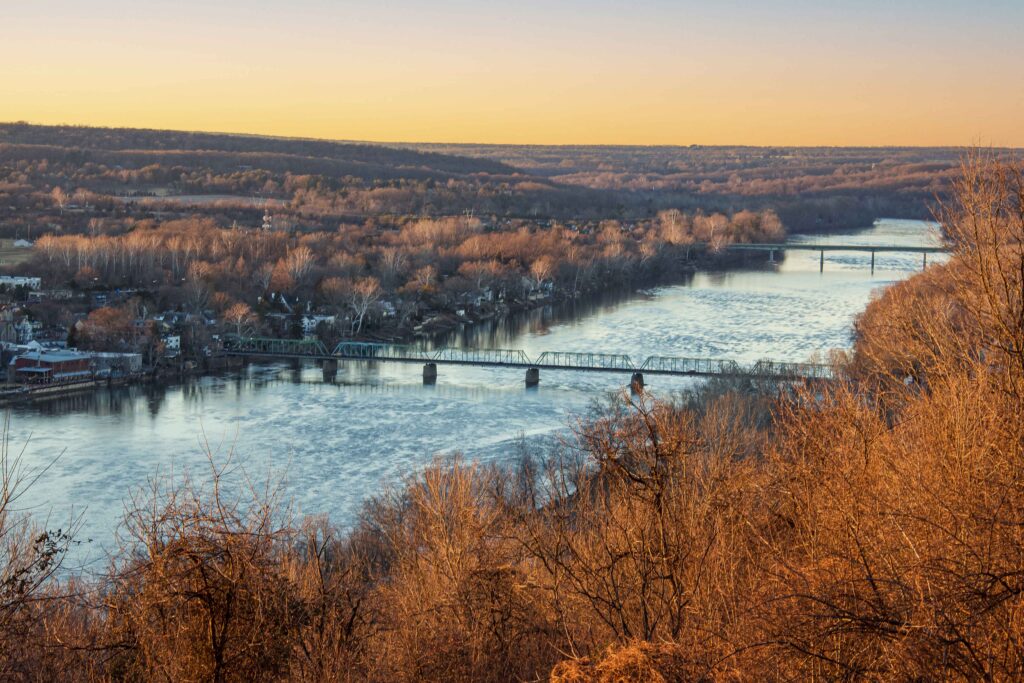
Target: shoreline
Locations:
point(448, 322)
point(442, 329)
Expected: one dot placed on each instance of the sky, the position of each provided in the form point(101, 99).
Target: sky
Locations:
point(646, 72)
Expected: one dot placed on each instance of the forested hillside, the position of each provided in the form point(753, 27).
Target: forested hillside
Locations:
point(813, 189)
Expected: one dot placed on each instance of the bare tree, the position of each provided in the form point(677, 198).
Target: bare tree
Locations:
point(60, 198)
point(364, 293)
point(197, 295)
point(239, 315)
point(300, 263)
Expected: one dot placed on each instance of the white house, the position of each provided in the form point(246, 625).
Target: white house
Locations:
point(20, 281)
point(309, 322)
point(172, 344)
point(26, 332)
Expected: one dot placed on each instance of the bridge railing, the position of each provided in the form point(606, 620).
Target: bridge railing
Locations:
point(565, 359)
point(691, 366)
point(488, 356)
point(267, 345)
point(371, 351)
point(769, 368)
point(813, 246)
point(712, 366)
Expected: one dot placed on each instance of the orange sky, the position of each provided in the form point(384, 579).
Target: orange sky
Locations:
point(795, 72)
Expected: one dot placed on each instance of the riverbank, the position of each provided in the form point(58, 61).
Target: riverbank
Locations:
point(659, 272)
point(28, 393)
point(35, 392)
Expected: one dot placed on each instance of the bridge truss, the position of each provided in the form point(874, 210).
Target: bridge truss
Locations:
point(549, 360)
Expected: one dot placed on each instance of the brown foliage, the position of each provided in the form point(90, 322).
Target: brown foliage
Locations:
point(637, 662)
point(106, 329)
point(868, 529)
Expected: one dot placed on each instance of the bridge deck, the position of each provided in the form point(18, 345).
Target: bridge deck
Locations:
point(786, 246)
point(515, 358)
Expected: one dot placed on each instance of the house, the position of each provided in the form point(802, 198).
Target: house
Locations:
point(55, 295)
point(25, 331)
point(13, 281)
point(310, 322)
point(43, 366)
point(172, 344)
point(116, 364)
point(172, 318)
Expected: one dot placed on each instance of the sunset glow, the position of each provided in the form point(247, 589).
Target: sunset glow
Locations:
point(786, 72)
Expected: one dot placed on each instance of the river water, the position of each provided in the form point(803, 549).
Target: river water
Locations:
point(334, 444)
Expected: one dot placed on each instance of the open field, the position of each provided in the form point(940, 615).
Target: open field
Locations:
point(11, 255)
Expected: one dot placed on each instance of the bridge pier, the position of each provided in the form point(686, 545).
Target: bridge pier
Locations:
point(821, 264)
point(330, 370)
point(872, 261)
point(430, 373)
point(925, 263)
point(636, 383)
point(532, 377)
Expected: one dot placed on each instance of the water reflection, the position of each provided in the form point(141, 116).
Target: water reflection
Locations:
point(106, 401)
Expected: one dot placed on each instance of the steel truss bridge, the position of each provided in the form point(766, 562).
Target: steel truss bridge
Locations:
point(261, 347)
point(771, 248)
point(790, 246)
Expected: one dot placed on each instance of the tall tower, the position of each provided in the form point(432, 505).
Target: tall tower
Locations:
point(268, 220)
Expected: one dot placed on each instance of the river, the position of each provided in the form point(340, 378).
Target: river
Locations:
point(337, 443)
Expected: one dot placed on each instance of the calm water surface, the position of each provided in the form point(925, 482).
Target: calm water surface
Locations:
point(337, 443)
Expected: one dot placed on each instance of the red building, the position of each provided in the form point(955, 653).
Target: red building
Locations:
point(37, 367)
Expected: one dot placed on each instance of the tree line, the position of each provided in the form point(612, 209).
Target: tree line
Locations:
point(195, 265)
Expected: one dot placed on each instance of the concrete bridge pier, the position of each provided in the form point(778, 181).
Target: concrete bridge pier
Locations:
point(532, 377)
point(430, 373)
point(330, 370)
point(636, 383)
point(925, 263)
point(872, 261)
point(821, 264)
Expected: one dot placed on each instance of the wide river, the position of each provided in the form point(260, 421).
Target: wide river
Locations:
point(337, 443)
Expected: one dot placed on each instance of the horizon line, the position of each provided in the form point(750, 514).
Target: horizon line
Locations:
point(385, 143)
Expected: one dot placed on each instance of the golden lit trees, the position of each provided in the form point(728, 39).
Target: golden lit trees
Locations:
point(241, 316)
point(106, 329)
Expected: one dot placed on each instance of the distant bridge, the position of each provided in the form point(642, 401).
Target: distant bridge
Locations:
point(771, 248)
point(262, 347)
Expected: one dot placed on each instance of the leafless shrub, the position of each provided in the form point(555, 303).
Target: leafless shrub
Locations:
point(30, 555)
